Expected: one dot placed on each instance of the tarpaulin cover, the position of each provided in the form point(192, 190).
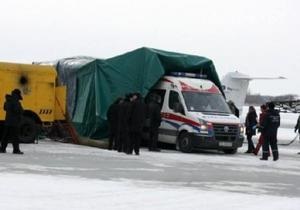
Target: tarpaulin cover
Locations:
point(93, 84)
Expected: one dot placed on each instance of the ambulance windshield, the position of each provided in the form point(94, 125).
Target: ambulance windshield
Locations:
point(205, 102)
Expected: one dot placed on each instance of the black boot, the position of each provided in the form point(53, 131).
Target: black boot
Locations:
point(264, 155)
point(275, 155)
point(18, 152)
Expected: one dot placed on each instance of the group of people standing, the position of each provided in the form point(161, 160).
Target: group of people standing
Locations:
point(126, 119)
point(14, 112)
point(269, 121)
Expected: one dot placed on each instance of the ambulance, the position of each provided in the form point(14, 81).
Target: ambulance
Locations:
point(195, 114)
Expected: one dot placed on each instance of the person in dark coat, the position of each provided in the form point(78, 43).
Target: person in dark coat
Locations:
point(270, 126)
point(154, 121)
point(4, 133)
point(137, 121)
point(13, 117)
point(234, 110)
point(250, 124)
point(124, 118)
point(297, 128)
point(113, 122)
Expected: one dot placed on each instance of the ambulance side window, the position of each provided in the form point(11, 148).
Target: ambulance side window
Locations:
point(160, 93)
point(173, 99)
point(174, 102)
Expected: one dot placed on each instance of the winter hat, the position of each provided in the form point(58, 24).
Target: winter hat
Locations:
point(17, 92)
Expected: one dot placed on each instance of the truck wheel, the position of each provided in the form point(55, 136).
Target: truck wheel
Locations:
point(28, 130)
point(184, 143)
point(230, 151)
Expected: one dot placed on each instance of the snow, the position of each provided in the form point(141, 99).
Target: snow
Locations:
point(52, 175)
point(23, 191)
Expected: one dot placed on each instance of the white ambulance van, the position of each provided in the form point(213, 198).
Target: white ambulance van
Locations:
point(196, 115)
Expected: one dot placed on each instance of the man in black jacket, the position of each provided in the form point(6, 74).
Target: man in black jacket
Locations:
point(250, 122)
point(4, 134)
point(113, 121)
point(270, 125)
point(13, 116)
point(297, 128)
point(137, 121)
point(124, 118)
point(155, 120)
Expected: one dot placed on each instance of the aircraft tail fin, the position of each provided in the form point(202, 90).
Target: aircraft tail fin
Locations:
point(235, 86)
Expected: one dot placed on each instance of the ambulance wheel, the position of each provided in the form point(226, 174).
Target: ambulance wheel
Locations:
point(230, 151)
point(185, 143)
point(28, 130)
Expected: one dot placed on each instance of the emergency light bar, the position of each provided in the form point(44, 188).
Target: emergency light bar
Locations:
point(191, 75)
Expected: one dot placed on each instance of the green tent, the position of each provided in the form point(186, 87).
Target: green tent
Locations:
point(93, 84)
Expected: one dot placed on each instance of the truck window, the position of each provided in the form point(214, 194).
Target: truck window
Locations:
point(173, 99)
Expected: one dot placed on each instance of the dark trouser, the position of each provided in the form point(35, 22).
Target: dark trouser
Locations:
point(250, 143)
point(272, 141)
point(123, 142)
point(153, 138)
point(10, 133)
point(119, 142)
point(112, 140)
point(135, 142)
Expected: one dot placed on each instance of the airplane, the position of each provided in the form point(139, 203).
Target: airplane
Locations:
point(235, 86)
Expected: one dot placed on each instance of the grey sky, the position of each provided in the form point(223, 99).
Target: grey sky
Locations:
point(257, 37)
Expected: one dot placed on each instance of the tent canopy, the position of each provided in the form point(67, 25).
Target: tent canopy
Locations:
point(93, 84)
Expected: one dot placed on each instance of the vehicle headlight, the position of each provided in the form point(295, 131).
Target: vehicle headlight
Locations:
point(242, 128)
point(203, 127)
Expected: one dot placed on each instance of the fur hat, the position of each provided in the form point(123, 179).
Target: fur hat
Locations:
point(18, 93)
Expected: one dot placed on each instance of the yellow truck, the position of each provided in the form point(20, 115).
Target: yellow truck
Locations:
point(43, 101)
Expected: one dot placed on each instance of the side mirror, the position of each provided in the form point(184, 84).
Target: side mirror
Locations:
point(178, 108)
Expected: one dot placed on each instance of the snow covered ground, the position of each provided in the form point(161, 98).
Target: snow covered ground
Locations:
point(53, 175)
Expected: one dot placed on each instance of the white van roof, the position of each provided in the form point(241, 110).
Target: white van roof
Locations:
point(189, 84)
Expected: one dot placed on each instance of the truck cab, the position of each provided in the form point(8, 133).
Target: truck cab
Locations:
point(195, 115)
